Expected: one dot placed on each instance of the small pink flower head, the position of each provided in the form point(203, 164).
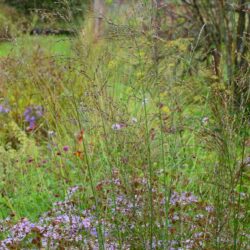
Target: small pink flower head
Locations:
point(66, 148)
point(118, 126)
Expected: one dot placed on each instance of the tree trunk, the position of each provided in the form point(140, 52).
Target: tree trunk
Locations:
point(120, 2)
point(99, 10)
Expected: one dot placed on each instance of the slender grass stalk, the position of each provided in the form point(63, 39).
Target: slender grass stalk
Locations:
point(87, 161)
point(167, 187)
point(112, 183)
point(150, 170)
point(240, 181)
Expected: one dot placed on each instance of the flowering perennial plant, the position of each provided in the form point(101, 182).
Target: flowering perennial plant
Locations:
point(188, 222)
point(4, 108)
point(32, 114)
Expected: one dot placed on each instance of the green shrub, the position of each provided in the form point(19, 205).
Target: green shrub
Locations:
point(62, 8)
point(12, 23)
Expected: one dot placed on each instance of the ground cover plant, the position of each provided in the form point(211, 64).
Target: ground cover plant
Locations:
point(134, 139)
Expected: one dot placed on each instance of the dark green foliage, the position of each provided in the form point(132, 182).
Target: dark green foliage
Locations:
point(76, 7)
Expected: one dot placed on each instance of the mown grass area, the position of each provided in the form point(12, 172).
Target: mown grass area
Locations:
point(52, 44)
point(104, 147)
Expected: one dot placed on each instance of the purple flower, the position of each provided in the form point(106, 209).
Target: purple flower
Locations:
point(4, 108)
point(39, 111)
point(32, 125)
point(66, 148)
point(72, 190)
point(32, 114)
point(118, 126)
point(209, 209)
point(86, 223)
point(93, 232)
point(184, 198)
